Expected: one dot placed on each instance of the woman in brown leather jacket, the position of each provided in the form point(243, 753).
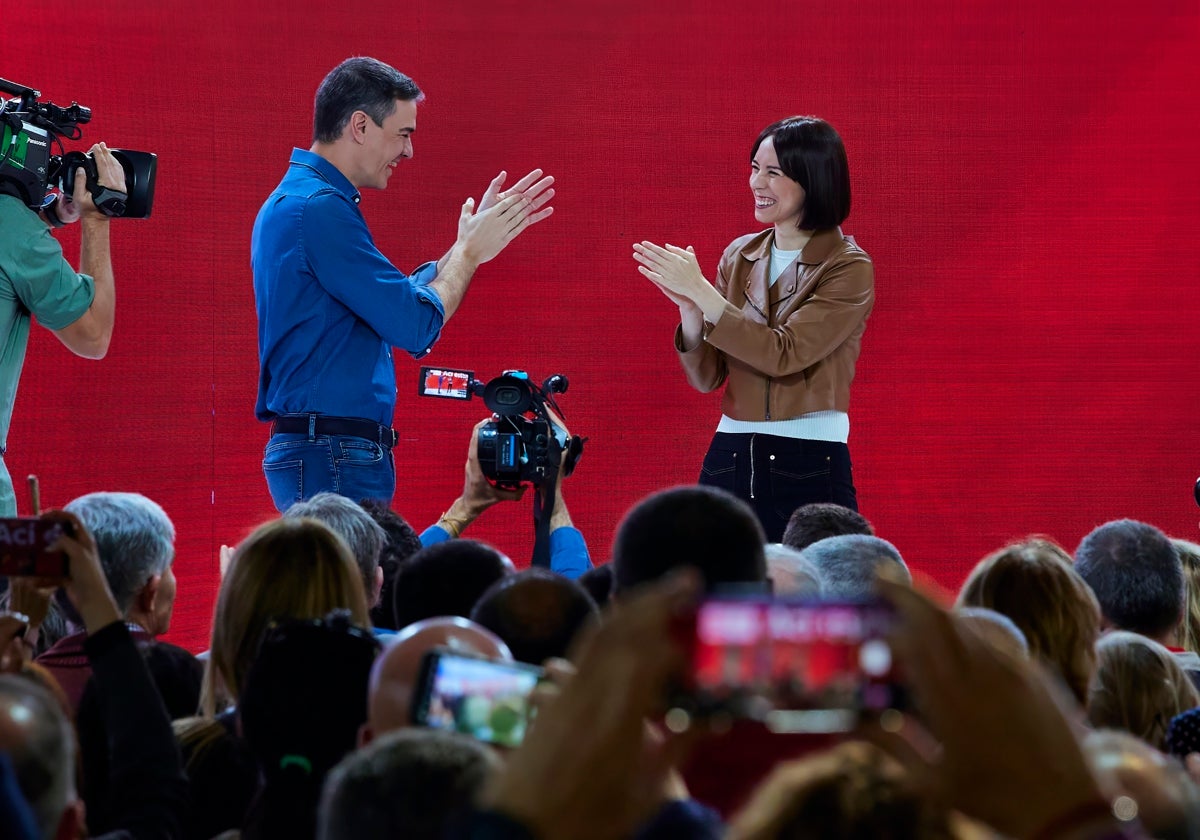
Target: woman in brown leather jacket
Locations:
point(781, 327)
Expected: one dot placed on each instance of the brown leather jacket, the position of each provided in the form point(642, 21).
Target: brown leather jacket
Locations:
point(788, 349)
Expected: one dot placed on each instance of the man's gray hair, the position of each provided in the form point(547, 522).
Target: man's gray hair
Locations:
point(791, 572)
point(848, 564)
point(409, 783)
point(134, 536)
point(346, 518)
point(44, 760)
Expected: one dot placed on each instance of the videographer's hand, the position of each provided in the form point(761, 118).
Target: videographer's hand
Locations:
point(478, 493)
point(67, 209)
point(109, 173)
point(559, 516)
point(86, 585)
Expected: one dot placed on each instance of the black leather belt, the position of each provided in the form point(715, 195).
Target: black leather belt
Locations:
point(320, 424)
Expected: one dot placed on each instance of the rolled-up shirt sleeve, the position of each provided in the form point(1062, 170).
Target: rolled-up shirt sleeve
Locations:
point(402, 309)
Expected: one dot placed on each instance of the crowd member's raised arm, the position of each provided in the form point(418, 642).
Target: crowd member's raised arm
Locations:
point(584, 770)
point(1009, 756)
point(145, 772)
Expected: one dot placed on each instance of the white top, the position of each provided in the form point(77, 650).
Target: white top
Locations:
point(832, 426)
point(781, 260)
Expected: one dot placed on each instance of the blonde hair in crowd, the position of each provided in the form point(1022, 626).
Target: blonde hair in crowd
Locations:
point(1034, 583)
point(286, 569)
point(1189, 558)
point(1138, 687)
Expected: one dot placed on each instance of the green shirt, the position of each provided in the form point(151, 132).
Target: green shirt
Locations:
point(35, 280)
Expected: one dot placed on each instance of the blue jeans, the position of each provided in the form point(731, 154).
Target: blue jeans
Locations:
point(298, 467)
point(775, 475)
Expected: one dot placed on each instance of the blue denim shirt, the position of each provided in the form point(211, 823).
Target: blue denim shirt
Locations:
point(330, 305)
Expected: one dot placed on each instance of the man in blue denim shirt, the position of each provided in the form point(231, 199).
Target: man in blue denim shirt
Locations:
point(331, 306)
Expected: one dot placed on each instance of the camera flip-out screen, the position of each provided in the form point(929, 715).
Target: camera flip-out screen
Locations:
point(444, 382)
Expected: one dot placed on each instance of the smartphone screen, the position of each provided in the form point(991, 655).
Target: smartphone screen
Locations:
point(23, 542)
point(483, 698)
point(806, 666)
point(444, 382)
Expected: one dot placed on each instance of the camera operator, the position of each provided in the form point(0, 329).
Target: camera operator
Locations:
point(568, 549)
point(36, 280)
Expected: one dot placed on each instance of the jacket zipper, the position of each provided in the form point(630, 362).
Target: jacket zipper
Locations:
point(767, 399)
point(752, 465)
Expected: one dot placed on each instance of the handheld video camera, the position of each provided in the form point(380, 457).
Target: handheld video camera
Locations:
point(525, 444)
point(28, 169)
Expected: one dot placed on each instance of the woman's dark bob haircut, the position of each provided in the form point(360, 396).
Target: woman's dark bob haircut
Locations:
point(811, 154)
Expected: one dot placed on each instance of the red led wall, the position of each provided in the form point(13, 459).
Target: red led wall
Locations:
point(1025, 179)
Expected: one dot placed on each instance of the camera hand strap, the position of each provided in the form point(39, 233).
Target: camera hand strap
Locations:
point(109, 202)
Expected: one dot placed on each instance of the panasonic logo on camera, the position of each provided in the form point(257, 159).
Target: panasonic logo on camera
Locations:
point(33, 142)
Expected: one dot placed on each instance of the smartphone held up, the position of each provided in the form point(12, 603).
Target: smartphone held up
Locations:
point(798, 666)
point(23, 544)
point(487, 699)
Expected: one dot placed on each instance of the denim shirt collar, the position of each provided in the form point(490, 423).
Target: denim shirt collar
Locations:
point(330, 173)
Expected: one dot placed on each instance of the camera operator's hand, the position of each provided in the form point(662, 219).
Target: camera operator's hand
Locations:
point(478, 493)
point(67, 209)
point(559, 516)
point(108, 174)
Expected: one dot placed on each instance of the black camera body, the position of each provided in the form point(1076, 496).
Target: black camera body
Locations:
point(28, 169)
point(522, 445)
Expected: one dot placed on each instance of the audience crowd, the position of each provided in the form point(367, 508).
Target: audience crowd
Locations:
point(1057, 697)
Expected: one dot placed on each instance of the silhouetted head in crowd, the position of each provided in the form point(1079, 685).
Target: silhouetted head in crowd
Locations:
point(136, 542)
point(598, 581)
point(1189, 558)
point(1033, 583)
point(1168, 803)
point(854, 790)
point(813, 522)
point(287, 568)
point(304, 700)
point(349, 521)
point(408, 784)
point(536, 612)
point(997, 629)
point(1136, 574)
point(848, 565)
point(704, 527)
point(791, 572)
point(1138, 687)
point(177, 675)
point(396, 671)
point(401, 541)
point(222, 777)
point(37, 736)
point(446, 578)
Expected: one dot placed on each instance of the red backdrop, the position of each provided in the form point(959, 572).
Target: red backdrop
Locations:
point(1025, 179)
